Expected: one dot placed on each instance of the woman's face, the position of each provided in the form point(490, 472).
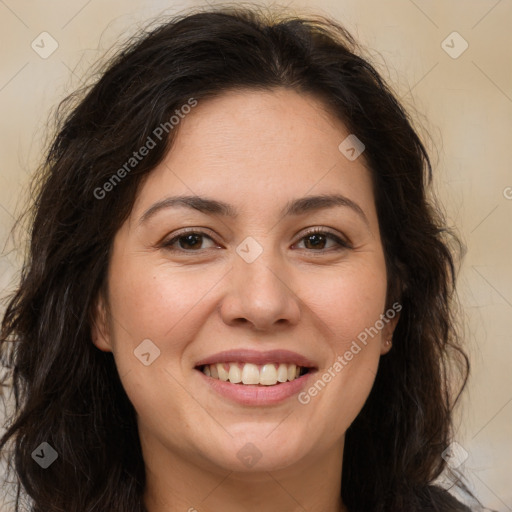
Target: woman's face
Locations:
point(252, 287)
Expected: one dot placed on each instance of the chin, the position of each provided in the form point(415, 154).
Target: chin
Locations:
point(259, 450)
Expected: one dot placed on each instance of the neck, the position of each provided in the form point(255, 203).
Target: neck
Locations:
point(176, 484)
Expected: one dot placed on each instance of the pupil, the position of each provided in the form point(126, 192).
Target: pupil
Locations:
point(192, 240)
point(188, 238)
point(311, 237)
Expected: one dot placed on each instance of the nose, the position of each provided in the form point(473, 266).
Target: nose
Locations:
point(260, 294)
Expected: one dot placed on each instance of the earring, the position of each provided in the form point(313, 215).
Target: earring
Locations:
point(388, 342)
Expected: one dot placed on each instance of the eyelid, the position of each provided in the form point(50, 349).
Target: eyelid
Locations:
point(167, 241)
point(342, 241)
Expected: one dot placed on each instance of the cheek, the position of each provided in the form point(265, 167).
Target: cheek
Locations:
point(156, 302)
point(348, 300)
point(166, 306)
point(170, 305)
point(349, 305)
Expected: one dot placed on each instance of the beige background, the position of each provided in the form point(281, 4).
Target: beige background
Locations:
point(465, 103)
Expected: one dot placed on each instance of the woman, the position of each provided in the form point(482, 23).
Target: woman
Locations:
point(297, 361)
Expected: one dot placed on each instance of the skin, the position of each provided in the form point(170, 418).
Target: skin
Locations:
point(256, 151)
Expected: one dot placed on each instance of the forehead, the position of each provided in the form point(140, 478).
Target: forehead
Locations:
point(254, 119)
point(278, 142)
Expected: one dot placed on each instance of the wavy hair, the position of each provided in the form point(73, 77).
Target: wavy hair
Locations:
point(68, 393)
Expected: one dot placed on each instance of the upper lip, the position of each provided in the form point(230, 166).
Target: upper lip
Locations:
point(257, 357)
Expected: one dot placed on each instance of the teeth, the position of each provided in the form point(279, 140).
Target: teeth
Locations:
point(268, 374)
point(223, 374)
point(235, 374)
point(250, 374)
point(292, 371)
point(282, 373)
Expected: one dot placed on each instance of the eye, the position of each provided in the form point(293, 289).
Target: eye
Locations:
point(187, 241)
point(316, 239)
point(191, 240)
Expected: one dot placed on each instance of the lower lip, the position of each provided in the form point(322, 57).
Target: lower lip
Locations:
point(247, 394)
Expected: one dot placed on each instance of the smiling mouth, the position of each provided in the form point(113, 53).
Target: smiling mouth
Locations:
point(270, 374)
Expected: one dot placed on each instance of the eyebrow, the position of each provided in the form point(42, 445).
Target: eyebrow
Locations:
point(294, 207)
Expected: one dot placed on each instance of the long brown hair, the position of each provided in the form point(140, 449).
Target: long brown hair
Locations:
point(68, 393)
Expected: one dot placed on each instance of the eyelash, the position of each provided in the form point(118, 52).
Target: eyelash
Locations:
point(343, 245)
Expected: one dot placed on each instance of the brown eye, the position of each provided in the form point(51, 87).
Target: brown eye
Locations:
point(317, 239)
point(189, 241)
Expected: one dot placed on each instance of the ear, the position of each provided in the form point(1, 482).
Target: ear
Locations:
point(391, 316)
point(100, 332)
